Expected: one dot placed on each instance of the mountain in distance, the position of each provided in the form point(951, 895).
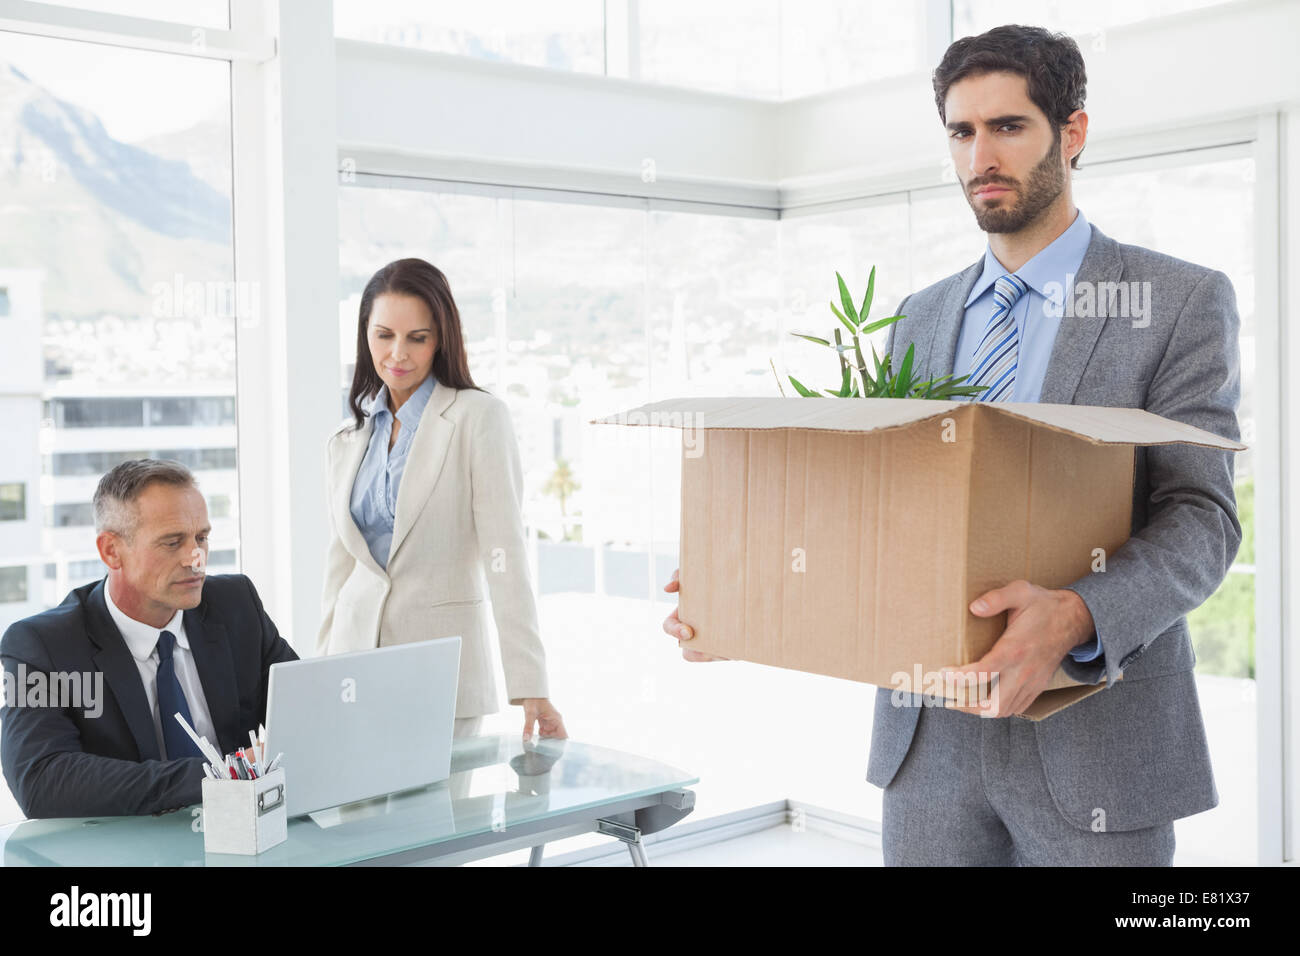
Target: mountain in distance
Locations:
point(105, 220)
point(204, 147)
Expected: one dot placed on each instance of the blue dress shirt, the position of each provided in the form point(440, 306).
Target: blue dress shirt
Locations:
point(1050, 277)
point(374, 493)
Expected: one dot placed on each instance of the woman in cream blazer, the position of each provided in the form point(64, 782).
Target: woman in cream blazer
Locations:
point(438, 491)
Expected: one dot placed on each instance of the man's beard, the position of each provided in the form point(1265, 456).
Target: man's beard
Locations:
point(1044, 183)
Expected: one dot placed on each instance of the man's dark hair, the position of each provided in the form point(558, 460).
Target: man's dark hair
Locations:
point(1050, 63)
point(115, 497)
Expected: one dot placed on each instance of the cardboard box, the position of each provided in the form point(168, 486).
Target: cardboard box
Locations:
point(848, 537)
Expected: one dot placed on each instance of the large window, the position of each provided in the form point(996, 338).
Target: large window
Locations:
point(13, 585)
point(770, 49)
point(778, 49)
point(573, 311)
point(564, 36)
point(76, 514)
point(204, 13)
point(13, 501)
point(98, 413)
point(98, 462)
point(1076, 17)
point(115, 243)
point(1168, 208)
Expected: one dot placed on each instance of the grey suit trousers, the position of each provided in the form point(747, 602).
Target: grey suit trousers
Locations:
point(971, 792)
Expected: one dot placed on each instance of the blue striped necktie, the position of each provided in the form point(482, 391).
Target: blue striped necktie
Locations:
point(171, 701)
point(994, 364)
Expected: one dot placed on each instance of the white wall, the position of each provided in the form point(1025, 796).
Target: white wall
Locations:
point(469, 113)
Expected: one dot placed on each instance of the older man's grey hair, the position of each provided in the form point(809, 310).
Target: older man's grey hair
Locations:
point(115, 498)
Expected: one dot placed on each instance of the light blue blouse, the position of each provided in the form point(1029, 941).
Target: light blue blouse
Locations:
point(374, 493)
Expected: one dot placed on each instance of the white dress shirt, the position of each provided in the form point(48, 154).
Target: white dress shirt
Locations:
point(142, 641)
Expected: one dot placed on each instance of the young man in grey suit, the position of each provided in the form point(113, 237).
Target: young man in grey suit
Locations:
point(1040, 318)
point(155, 637)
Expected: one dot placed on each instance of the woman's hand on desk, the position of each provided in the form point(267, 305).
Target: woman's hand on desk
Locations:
point(540, 712)
point(684, 632)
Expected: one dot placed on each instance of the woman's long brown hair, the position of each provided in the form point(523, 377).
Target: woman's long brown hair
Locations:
point(424, 281)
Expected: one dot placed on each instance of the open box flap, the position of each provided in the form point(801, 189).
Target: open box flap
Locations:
point(1114, 426)
point(830, 414)
point(1109, 426)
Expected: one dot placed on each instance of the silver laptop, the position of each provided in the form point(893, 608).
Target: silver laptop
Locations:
point(358, 725)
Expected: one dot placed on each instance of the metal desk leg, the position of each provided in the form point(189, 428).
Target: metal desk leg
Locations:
point(637, 849)
point(628, 833)
point(535, 855)
point(630, 827)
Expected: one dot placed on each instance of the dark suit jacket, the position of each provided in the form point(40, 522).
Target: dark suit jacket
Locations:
point(65, 762)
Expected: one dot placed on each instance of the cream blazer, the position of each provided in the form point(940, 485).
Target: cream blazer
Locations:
point(458, 522)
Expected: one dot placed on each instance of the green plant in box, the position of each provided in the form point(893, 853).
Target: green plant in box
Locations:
point(885, 382)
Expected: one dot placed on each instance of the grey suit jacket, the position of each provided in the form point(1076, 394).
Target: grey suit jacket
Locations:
point(1136, 750)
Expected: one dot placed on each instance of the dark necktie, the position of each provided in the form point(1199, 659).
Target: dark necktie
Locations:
point(171, 700)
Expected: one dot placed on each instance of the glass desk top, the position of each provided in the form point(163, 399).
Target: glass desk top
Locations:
point(497, 782)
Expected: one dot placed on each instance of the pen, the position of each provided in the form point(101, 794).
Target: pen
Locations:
point(205, 748)
point(274, 763)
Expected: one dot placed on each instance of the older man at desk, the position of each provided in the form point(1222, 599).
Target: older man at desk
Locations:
point(160, 637)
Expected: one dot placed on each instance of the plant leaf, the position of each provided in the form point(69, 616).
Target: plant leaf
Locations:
point(934, 388)
point(905, 372)
point(879, 324)
point(880, 369)
point(812, 338)
point(942, 377)
point(866, 299)
point(840, 315)
point(799, 387)
point(847, 301)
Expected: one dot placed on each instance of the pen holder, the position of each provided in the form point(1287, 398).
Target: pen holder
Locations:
point(244, 816)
